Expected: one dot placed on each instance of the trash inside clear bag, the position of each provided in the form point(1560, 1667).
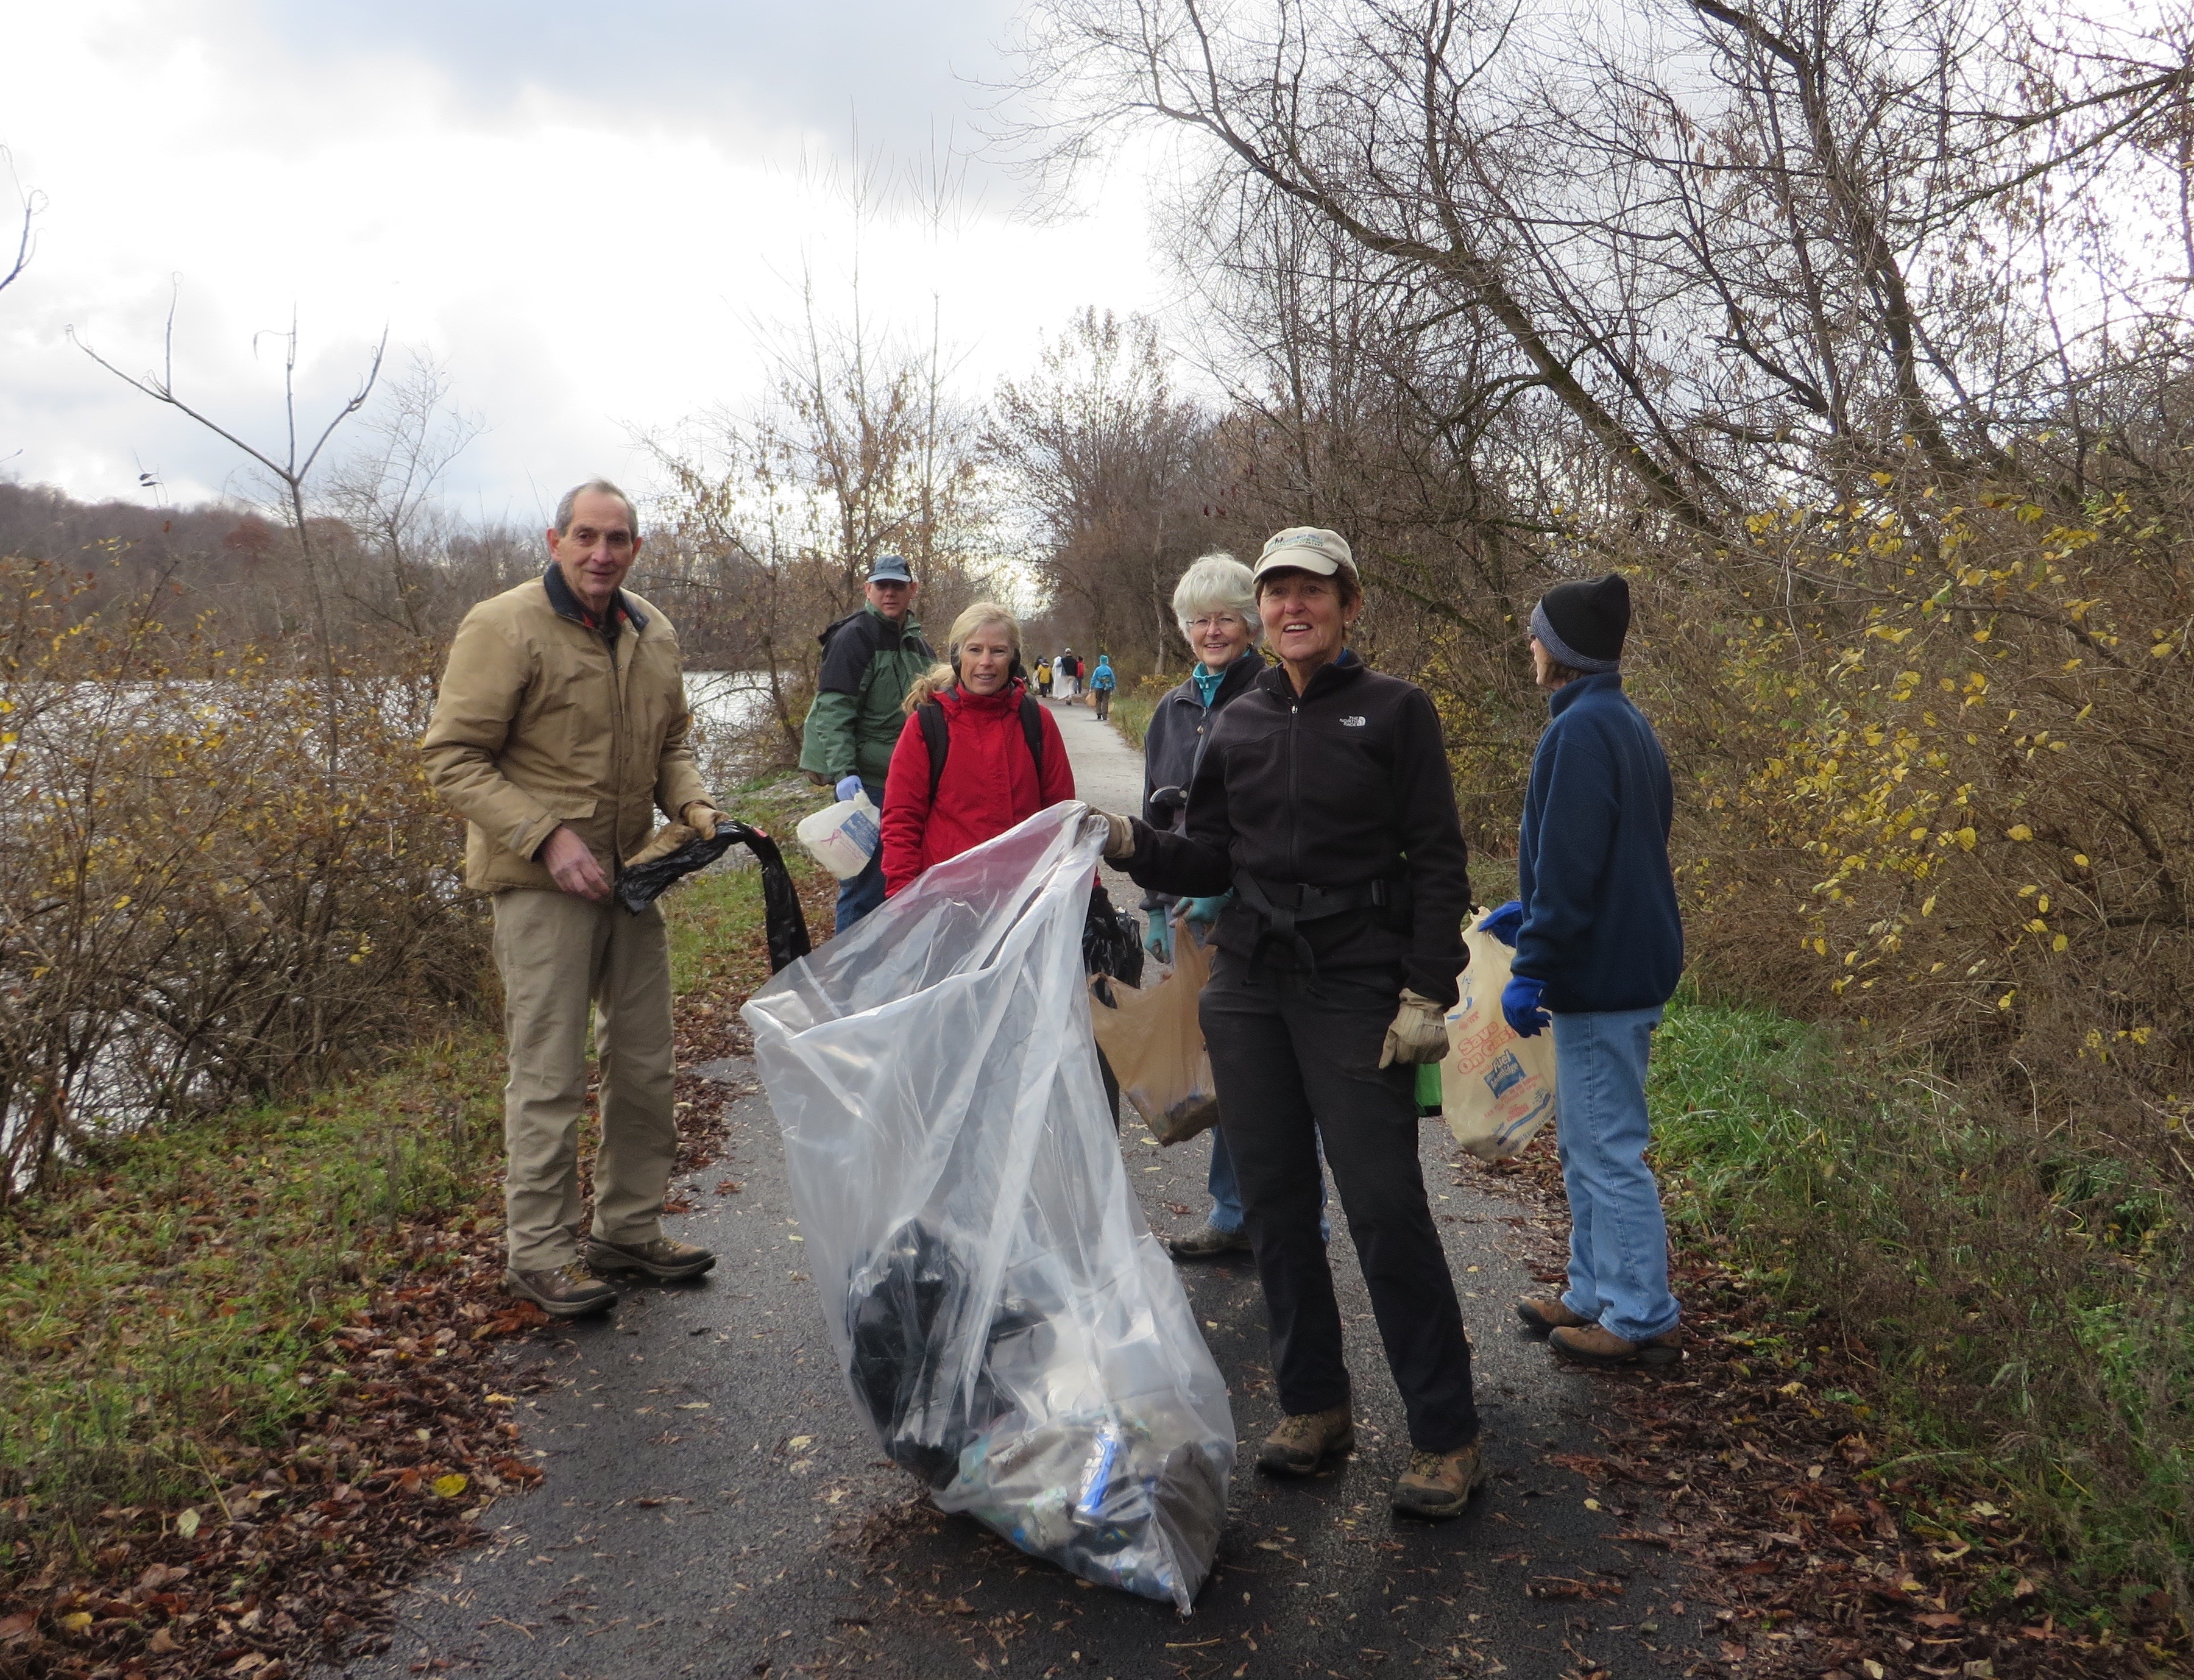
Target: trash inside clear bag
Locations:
point(1007, 1324)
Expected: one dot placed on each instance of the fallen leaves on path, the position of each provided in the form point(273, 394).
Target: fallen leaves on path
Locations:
point(1753, 1462)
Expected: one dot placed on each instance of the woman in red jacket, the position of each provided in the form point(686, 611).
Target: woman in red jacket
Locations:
point(1004, 760)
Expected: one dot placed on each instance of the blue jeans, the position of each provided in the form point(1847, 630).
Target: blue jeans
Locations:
point(1225, 1191)
point(1618, 1239)
point(865, 892)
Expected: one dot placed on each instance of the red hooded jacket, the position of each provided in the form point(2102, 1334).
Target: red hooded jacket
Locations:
point(988, 785)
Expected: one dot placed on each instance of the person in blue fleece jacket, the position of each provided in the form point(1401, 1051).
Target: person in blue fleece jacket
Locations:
point(1598, 950)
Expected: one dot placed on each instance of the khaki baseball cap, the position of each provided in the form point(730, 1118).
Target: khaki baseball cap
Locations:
point(1304, 548)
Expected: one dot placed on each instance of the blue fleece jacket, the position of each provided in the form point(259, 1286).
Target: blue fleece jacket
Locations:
point(1600, 925)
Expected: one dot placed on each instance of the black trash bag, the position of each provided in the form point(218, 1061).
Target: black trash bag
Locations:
point(785, 924)
point(901, 1303)
point(1112, 943)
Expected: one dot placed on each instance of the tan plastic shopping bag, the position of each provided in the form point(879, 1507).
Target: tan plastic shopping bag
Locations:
point(1497, 1090)
point(1152, 1039)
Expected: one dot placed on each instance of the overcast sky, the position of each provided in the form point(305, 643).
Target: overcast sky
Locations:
point(584, 211)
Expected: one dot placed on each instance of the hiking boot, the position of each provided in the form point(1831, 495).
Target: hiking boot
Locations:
point(561, 1292)
point(1306, 1440)
point(1606, 1350)
point(1542, 1312)
point(1208, 1242)
point(1439, 1484)
point(662, 1259)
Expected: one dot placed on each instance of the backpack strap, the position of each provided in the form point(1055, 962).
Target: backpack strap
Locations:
point(937, 736)
point(1032, 732)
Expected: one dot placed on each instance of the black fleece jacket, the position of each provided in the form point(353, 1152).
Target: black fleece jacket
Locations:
point(1347, 784)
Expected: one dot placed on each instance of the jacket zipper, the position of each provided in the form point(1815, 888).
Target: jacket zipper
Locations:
point(1294, 800)
point(616, 751)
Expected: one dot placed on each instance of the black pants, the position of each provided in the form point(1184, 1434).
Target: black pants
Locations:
point(1295, 1062)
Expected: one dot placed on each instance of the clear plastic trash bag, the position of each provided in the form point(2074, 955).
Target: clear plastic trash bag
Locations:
point(1007, 1324)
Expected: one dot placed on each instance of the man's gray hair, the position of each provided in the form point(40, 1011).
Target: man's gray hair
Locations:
point(1217, 584)
point(600, 486)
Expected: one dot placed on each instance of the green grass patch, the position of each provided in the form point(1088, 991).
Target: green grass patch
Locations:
point(2029, 1306)
point(161, 1304)
point(1132, 709)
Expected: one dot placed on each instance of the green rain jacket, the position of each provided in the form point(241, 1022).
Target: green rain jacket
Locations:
point(868, 665)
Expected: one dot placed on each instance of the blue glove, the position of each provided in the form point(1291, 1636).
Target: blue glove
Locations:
point(1157, 933)
point(847, 788)
point(1503, 922)
point(1522, 1005)
point(1204, 911)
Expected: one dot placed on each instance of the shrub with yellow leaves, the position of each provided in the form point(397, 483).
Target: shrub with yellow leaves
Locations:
point(1938, 753)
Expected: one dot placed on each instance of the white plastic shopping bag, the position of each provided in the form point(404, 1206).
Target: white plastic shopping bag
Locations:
point(1496, 1089)
point(842, 838)
point(1006, 1322)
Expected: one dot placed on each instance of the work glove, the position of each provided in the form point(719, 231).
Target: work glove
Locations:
point(1119, 833)
point(1502, 924)
point(1204, 911)
point(1522, 1005)
point(668, 838)
point(702, 817)
point(1418, 1032)
point(1157, 933)
point(848, 786)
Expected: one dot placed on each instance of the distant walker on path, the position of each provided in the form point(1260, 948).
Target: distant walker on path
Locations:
point(559, 731)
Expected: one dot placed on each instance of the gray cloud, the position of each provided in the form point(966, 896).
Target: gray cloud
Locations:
point(895, 66)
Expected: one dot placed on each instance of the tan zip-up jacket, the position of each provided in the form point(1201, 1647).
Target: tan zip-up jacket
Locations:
point(541, 721)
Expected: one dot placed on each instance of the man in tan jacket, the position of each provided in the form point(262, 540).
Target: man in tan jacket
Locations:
point(559, 732)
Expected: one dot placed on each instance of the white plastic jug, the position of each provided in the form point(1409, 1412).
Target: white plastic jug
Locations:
point(842, 838)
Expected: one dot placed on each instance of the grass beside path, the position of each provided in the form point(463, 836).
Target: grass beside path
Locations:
point(243, 1308)
point(2027, 1318)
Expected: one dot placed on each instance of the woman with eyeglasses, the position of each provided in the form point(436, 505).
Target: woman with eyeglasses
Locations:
point(1217, 611)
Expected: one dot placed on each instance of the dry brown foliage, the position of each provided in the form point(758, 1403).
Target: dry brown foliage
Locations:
point(220, 878)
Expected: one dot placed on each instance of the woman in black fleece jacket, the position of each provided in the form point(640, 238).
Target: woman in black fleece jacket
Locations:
point(1324, 802)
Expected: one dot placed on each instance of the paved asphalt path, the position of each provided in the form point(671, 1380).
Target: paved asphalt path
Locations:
point(711, 1506)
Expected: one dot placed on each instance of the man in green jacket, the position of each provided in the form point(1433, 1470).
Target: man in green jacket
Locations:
point(869, 660)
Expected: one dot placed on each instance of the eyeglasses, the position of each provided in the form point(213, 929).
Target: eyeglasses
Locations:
point(1216, 621)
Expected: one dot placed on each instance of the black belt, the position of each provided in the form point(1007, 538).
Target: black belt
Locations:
point(1282, 919)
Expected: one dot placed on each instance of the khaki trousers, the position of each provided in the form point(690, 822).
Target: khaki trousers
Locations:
point(558, 955)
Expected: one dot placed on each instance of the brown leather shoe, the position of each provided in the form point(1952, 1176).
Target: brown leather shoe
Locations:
point(662, 1259)
point(1208, 1242)
point(1438, 1485)
point(1542, 1312)
point(561, 1292)
point(1306, 1440)
point(1603, 1348)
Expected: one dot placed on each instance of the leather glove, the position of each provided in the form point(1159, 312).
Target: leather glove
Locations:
point(701, 817)
point(1158, 935)
point(1418, 1032)
point(671, 836)
point(848, 786)
point(1522, 1005)
point(1502, 924)
point(1204, 911)
point(1119, 833)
